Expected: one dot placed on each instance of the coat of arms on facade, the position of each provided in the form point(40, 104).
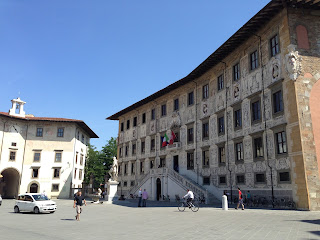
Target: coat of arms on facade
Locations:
point(236, 91)
point(275, 69)
point(293, 62)
point(176, 121)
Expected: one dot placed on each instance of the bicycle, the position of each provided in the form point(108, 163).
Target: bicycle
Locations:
point(193, 206)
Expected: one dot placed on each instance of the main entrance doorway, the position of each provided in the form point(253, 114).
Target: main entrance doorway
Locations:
point(158, 189)
point(176, 163)
point(9, 183)
point(33, 188)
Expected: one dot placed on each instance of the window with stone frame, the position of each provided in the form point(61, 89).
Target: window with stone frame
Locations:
point(55, 187)
point(135, 121)
point(220, 82)
point(35, 172)
point(56, 172)
point(151, 163)
point(82, 138)
point(281, 142)
point(206, 180)
point(221, 155)
point(205, 158)
point(256, 111)
point(143, 118)
point(126, 150)
point(80, 174)
point(12, 156)
point(153, 114)
point(205, 91)
point(134, 149)
point(133, 168)
point(237, 118)
point(119, 169)
point(39, 132)
point(152, 144)
point(176, 104)
point(141, 166)
point(284, 176)
point(121, 127)
point(125, 169)
point(132, 183)
point(162, 162)
point(220, 125)
point(143, 146)
point(75, 173)
point(77, 157)
point(163, 110)
point(190, 135)
point(236, 72)
point(222, 180)
point(274, 45)
point(254, 60)
point(240, 179)
point(277, 102)
point(205, 130)
point(238, 149)
point(260, 178)
point(125, 183)
point(58, 156)
point(190, 98)
point(128, 124)
point(37, 156)
point(258, 147)
point(60, 132)
point(120, 151)
point(190, 160)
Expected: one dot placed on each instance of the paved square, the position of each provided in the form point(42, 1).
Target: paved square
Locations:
point(103, 221)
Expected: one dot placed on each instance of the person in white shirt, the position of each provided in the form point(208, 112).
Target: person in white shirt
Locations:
point(189, 196)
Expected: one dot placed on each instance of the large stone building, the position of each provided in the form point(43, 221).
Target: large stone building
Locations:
point(247, 116)
point(41, 154)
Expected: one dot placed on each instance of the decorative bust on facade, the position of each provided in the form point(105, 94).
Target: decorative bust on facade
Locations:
point(293, 62)
point(275, 69)
point(113, 172)
point(176, 121)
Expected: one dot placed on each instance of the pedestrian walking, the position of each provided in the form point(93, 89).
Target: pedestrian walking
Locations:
point(144, 198)
point(240, 199)
point(78, 202)
point(249, 200)
point(140, 197)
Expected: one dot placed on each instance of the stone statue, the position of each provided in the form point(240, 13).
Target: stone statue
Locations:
point(293, 62)
point(113, 172)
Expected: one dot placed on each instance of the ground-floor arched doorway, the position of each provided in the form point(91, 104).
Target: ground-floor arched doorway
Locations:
point(158, 189)
point(34, 188)
point(9, 183)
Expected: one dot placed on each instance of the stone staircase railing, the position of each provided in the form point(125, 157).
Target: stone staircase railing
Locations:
point(139, 183)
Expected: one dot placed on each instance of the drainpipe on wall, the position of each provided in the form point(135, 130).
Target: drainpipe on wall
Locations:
point(24, 152)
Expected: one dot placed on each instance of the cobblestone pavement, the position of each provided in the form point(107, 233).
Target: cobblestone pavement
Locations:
point(104, 221)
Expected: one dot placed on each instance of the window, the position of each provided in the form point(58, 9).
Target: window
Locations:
point(143, 146)
point(39, 132)
point(277, 102)
point(162, 162)
point(274, 45)
point(56, 172)
point(239, 151)
point(58, 157)
point(153, 114)
point(121, 127)
point(206, 180)
point(281, 142)
point(60, 132)
point(221, 125)
point(78, 135)
point(163, 110)
point(254, 60)
point(13, 144)
point(220, 82)
point(205, 91)
point(134, 148)
point(256, 111)
point(141, 167)
point(35, 172)
point(222, 155)
point(143, 118)
point(12, 156)
point(236, 72)
point(120, 151)
point(190, 98)
point(81, 159)
point(80, 174)
point(119, 169)
point(55, 188)
point(82, 138)
point(190, 135)
point(176, 105)
point(190, 160)
point(237, 118)
point(153, 144)
point(36, 156)
point(76, 157)
point(205, 130)
point(240, 179)
point(126, 152)
point(128, 124)
point(125, 183)
point(132, 183)
point(75, 173)
point(284, 177)
point(205, 158)
point(260, 178)
point(258, 147)
point(132, 168)
point(222, 180)
point(135, 119)
point(125, 169)
point(151, 163)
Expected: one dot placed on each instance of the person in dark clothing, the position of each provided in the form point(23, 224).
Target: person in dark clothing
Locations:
point(77, 203)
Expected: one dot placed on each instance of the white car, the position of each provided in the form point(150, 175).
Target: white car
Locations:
point(34, 202)
point(0, 200)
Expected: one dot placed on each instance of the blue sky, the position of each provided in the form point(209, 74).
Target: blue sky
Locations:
point(90, 59)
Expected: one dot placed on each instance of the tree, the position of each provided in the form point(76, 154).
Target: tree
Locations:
point(109, 151)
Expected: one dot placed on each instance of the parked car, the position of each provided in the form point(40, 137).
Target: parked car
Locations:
point(0, 200)
point(34, 202)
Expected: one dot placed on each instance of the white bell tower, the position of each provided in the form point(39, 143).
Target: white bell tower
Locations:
point(17, 108)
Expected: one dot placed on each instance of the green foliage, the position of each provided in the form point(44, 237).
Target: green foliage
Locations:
point(98, 162)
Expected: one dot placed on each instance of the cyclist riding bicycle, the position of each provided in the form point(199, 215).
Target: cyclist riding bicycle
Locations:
point(189, 196)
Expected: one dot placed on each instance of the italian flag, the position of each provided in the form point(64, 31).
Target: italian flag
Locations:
point(165, 140)
point(172, 137)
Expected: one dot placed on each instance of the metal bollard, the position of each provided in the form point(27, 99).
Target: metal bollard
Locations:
point(224, 203)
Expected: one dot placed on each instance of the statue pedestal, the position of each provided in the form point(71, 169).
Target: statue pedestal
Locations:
point(112, 191)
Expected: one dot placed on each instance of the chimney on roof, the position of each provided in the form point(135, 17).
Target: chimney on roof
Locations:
point(17, 108)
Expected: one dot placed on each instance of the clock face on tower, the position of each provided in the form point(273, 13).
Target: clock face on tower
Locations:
point(15, 129)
